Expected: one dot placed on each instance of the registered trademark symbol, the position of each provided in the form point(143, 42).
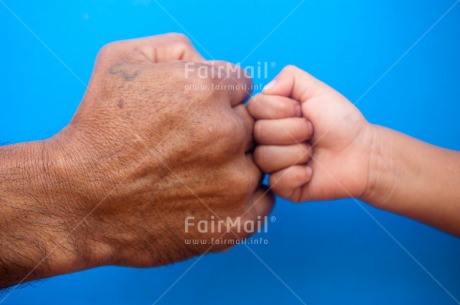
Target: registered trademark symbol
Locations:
point(272, 218)
point(273, 65)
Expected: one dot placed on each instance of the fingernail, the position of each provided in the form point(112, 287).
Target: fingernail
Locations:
point(270, 85)
point(309, 170)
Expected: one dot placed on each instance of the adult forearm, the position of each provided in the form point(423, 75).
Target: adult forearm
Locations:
point(33, 222)
point(415, 179)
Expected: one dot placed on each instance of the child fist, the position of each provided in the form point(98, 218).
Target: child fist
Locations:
point(315, 143)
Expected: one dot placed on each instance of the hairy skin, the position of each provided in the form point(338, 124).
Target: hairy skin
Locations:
point(140, 155)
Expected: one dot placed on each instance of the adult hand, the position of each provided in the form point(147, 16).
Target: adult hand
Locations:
point(161, 140)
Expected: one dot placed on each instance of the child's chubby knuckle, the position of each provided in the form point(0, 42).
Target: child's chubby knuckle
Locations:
point(291, 106)
point(300, 127)
point(276, 185)
point(260, 130)
point(260, 156)
point(252, 108)
point(255, 103)
point(295, 196)
point(297, 175)
point(284, 109)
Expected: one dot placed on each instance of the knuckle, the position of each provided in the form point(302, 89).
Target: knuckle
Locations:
point(295, 196)
point(244, 182)
point(301, 130)
point(275, 186)
point(259, 130)
point(179, 38)
point(260, 156)
point(109, 48)
point(289, 108)
point(109, 52)
point(230, 129)
point(106, 48)
point(289, 69)
point(202, 75)
point(224, 137)
point(180, 42)
point(177, 70)
point(296, 175)
point(252, 178)
point(304, 150)
point(174, 74)
point(237, 180)
point(284, 110)
point(107, 55)
point(280, 185)
point(254, 104)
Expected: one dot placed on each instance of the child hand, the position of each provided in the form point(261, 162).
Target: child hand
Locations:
point(314, 142)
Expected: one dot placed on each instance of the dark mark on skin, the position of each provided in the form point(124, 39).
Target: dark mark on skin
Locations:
point(121, 103)
point(129, 72)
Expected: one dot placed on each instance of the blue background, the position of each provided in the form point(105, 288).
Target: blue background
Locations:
point(325, 252)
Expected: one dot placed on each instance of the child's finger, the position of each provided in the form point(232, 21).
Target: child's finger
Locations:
point(282, 131)
point(295, 83)
point(263, 106)
point(288, 183)
point(272, 158)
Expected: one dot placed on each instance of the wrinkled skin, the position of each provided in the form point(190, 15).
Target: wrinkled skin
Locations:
point(162, 151)
point(144, 151)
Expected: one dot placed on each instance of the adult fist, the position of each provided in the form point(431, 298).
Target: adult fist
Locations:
point(161, 141)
